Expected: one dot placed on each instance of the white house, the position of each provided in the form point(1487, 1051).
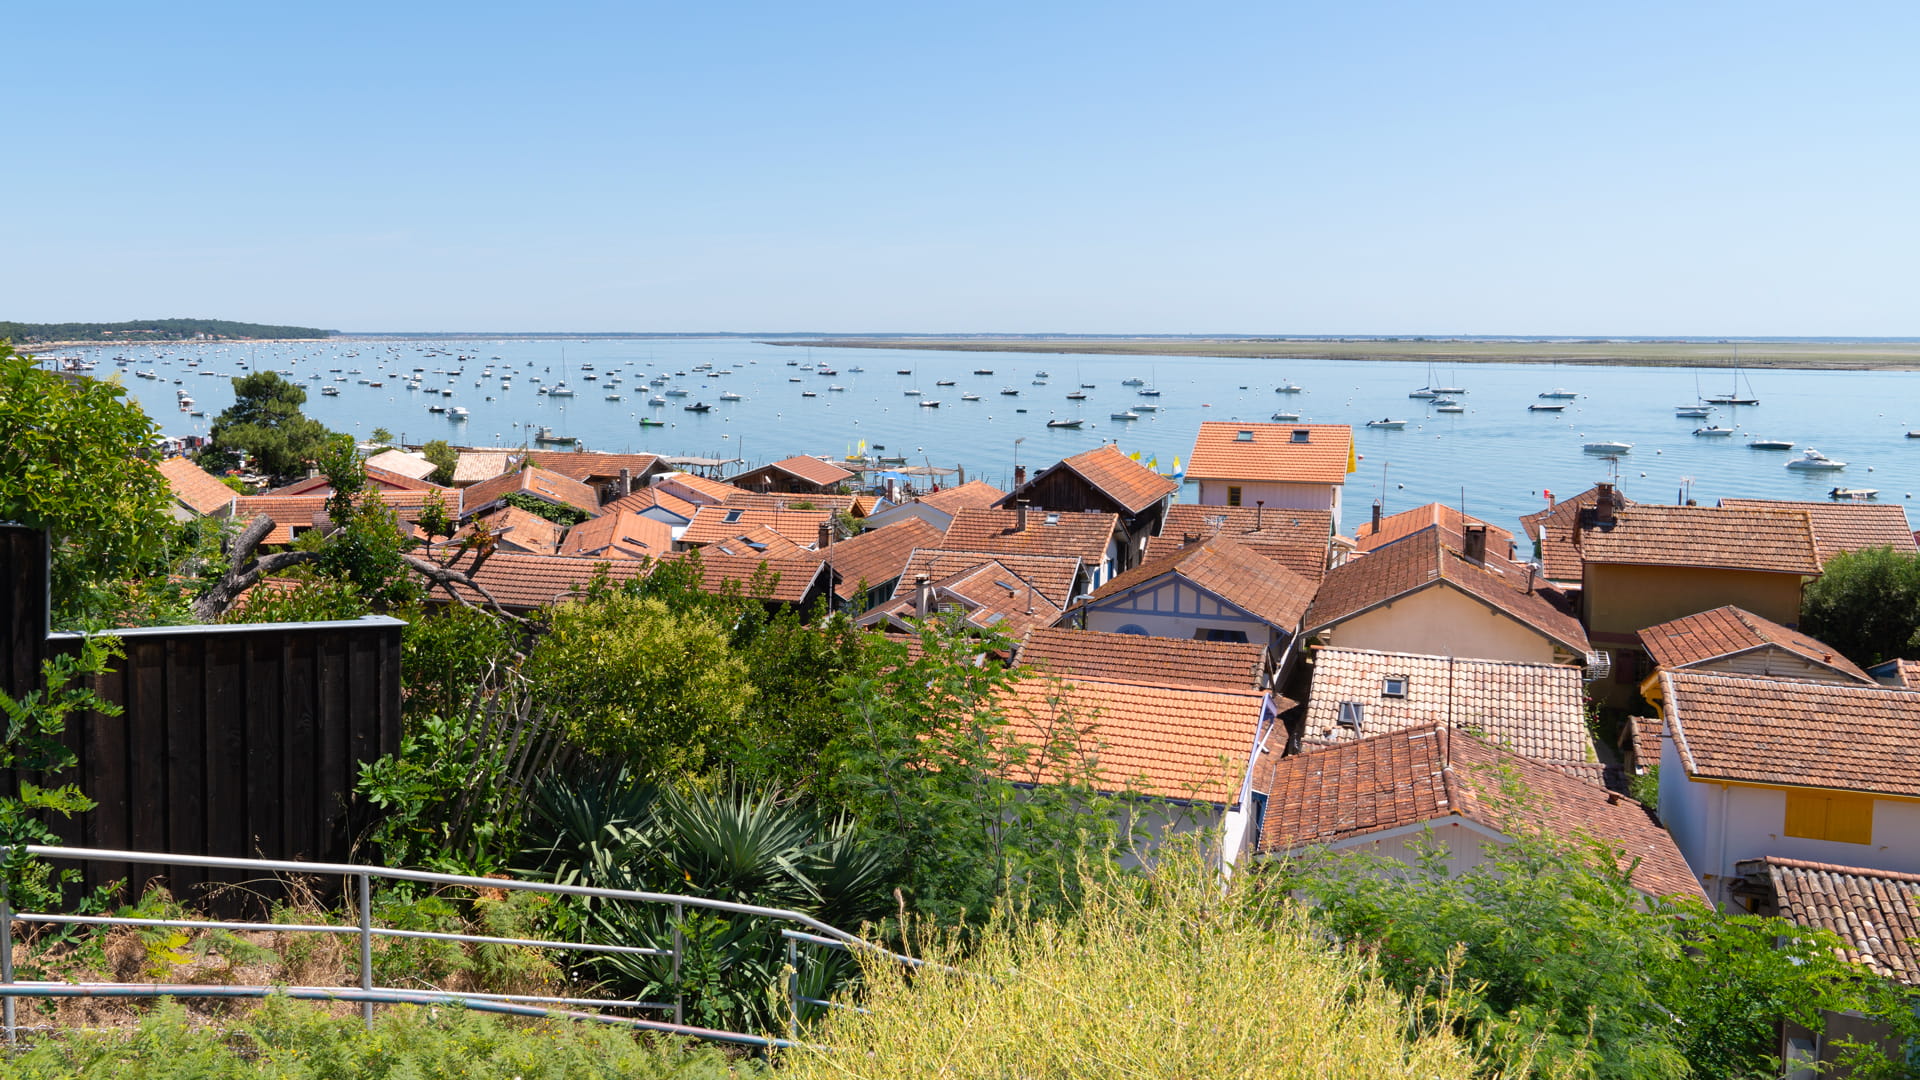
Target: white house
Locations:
point(1752, 768)
point(1277, 466)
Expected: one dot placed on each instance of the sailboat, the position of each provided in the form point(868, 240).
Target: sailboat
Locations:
point(1733, 397)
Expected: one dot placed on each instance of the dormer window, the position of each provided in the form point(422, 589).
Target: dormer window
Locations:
point(1301, 435)
point(1393, 686)
point(1243, 436)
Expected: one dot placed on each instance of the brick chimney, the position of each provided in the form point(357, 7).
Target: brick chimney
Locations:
point(1476, 537)
point(920, 595)
point(826, 536)
point(1603, 504)
point(1019, 477)
point(626, 482)
point(1376, 517)
point(1020, 515)
point(1259, 513)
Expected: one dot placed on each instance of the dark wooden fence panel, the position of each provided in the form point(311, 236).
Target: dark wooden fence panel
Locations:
point(240, 740)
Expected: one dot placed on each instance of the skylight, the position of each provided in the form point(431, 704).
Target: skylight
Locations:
point(1301, 435)
point(1243, 436)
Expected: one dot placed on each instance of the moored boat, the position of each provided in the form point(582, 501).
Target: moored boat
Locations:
point(1813, 460)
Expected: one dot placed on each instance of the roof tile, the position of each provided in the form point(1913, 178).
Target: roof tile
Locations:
point(1269, 453)
point(1149, 661)
point(1230, 570)
point(1724, 631)
point(1792, 733)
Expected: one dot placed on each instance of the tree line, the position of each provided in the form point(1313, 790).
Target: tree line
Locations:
point(25, 333)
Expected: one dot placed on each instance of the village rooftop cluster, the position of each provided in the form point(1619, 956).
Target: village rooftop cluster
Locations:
point(1297, 684)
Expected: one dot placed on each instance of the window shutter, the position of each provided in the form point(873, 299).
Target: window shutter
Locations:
point(1850, 819)
point(1806, 815)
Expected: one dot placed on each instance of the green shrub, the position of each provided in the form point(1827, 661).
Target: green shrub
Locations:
point(291, 1040)
point(1163, 976)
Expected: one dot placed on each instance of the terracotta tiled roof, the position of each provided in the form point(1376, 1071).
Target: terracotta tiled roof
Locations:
point(1227, 569)
point(1296, 539)
point(589, 468)
point(415, 466)
point(974, 494)
point(758, 542)
point(1425, 560)
point(794, 578)
point(526, 582)
point(878, 557)
point(1775, 541)
point(196, 488)
point(711, 490)
point(398, 481)
point(523, 530)
point(1432, 515)
point(989, 595)
point(619, 535)
point(1532, 709)
point(533, 481)
point(1269, 454)
point(1797, 734)
point(649, 498)
point(713, 523)
point(1078, 534)
point(1131, 485)
point(754, 500)
point(1724, 631)
point(1842, 527)
point(289, 511)
point(1053, 575)
point(1876, 912)
point(1552, 528)
point(1169, 742)
point(1149, 661)
point(475, 466)
point(813, 470)
point(1431, 773)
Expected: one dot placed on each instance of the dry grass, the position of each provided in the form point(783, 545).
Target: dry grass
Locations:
point(1176, 978)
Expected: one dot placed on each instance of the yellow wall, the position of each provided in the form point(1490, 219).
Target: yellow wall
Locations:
point(1440, 621)
point(1628, 599)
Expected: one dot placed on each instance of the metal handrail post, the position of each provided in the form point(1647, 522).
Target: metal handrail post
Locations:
point(679, 939)
point(793, 984)
point(6, 959)
point(366, 946)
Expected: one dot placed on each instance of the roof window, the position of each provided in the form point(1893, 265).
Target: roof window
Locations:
point(1393, 686)
point(1301, 434)
point(732, 516)
point(1053, 518)
point(1351, 714)
point(1243, 435)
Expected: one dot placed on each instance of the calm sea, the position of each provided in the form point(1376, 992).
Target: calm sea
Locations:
point(1496, 458)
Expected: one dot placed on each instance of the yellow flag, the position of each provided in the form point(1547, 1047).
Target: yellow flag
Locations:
point(1153, 462)
point(1135, 455)
point(1353, 455)
point(1176, 463)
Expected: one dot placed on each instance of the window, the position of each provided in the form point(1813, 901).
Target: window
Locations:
point(1243, 436)
point(1233, 495)
point(1301, 435)
point(1210, 633)
point(1351, 715)
point(1840, 817)
point(1393, 686)
point(732, 516)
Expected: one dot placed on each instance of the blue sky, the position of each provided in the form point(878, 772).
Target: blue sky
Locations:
point(1171, 168)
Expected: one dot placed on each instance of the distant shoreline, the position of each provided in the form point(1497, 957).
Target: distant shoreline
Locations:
point(1813, 356)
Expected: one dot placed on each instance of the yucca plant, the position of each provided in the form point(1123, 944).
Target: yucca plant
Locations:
point(613, 830)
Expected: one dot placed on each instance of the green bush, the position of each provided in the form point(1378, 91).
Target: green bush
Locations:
point(291, 1040)
point(1163, 976)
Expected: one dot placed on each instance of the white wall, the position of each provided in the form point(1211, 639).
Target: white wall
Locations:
point(1174, 609)
point(1718, 825)
point(895, 514)
point(1442, 621)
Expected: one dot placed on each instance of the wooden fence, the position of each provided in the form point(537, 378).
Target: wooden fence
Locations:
point(234, 740)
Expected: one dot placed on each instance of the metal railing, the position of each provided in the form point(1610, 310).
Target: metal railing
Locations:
point(807, 930)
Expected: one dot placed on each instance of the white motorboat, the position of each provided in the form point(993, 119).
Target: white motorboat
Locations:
point(1456, 407)
point(1387, 424)
point(1771, 444)
point(1862, 494)
point(1287, 417)
point(1692, 412)
point(1547, 406)
point(458, 412)
point(1423, 392)
point(969, 397)
point(1815, 460)
point(1607, 447)
point(1128, 415)
point(729, 395)
point(929, 404)
point(1559, 393)
point(1714, 430)
point(1287, 389)
point(1064, 423)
